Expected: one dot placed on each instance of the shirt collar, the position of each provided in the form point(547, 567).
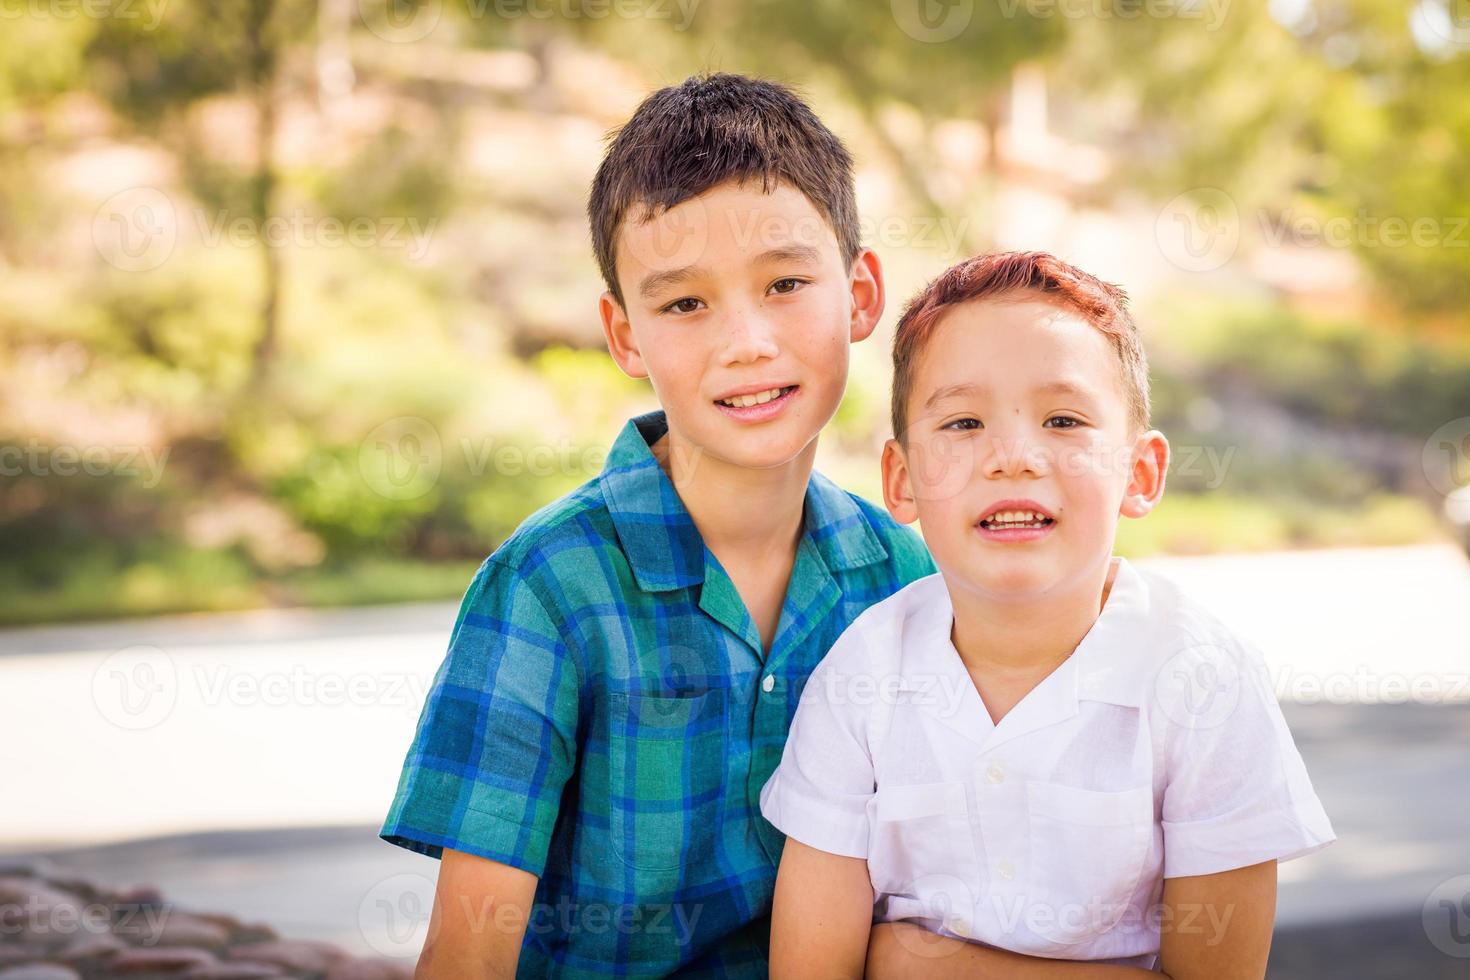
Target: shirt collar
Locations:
point(1104, 667)
point(660, 539)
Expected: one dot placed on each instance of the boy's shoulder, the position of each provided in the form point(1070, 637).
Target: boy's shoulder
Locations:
point(573, 521)
point(873, 642)
point(1186, 655)
point(1177, 619)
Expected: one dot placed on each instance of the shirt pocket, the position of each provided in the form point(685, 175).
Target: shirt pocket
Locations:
point(921, 846)
point(1088, 849)
point(666, 763)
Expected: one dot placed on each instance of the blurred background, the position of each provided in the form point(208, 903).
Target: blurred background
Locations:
point(298, 313)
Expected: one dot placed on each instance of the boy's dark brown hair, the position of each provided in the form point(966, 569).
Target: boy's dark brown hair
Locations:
point(687, 138)
point(1012, 275)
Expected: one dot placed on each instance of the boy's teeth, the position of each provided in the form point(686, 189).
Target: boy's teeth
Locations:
point(746, 401)
point(1023, 517)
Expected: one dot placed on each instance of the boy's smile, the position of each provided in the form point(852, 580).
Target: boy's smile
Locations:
point(1016, 520)
point(739, 309)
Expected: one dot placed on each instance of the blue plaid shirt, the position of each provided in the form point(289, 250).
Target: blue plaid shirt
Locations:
point(606, 716)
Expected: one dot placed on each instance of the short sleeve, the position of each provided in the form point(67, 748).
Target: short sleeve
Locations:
point(820, 791)
point(1237, 791)
point(496, 742)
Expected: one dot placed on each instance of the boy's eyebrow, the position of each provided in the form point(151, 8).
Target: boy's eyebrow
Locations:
point(655, 281)
point(790, 253)
point(1061, 387)
point(950, 391)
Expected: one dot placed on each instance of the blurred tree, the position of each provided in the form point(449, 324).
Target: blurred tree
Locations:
point(153, 74)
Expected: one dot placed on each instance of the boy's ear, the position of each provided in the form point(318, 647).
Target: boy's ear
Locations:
point(619, 335)
point(868, 296)
point(1146, 481)
point(898, 489)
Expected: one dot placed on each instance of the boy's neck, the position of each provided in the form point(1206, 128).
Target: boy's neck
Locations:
point(744, 515)
point(1018, 639)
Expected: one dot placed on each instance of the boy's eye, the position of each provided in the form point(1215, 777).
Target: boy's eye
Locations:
point(686, 305)
point(786, 285)
point(962, 424)
point(1063, 422)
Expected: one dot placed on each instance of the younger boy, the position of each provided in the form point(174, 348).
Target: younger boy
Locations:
point(623, 670)
point(1058, 763)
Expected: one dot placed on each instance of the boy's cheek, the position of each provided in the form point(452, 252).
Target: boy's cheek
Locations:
point(940, 469)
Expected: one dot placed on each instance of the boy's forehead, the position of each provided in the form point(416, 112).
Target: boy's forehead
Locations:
point(732, 222)
point(1021, 343)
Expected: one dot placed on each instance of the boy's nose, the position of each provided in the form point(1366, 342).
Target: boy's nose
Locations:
point(1015, 456)
point(749, 337)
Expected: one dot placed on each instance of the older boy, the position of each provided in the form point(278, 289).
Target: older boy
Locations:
point(624, 668)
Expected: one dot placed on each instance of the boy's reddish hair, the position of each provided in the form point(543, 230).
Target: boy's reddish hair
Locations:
point(1009, 274)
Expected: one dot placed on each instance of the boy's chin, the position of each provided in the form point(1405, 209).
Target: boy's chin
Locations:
point(760, 451)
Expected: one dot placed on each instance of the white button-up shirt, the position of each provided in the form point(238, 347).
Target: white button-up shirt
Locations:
point(1157, 749)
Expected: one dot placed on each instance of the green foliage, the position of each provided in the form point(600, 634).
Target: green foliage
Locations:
point(420, 402)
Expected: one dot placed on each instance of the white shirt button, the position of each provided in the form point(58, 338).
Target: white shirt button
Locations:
point(769, 684)
point(1006, 870)
point(959, 927)
point(995, 774)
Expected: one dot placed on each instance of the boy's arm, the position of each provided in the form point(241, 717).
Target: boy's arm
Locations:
point(479, 918)
point(1214, 927)
point(820, 915)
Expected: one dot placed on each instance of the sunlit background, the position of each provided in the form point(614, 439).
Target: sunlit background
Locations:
point(298, 310)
